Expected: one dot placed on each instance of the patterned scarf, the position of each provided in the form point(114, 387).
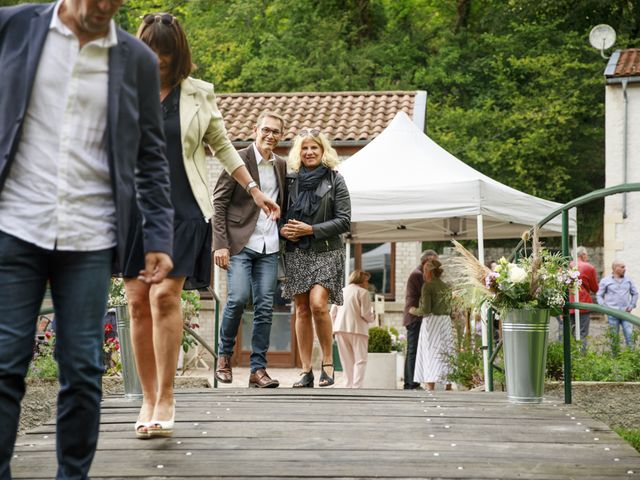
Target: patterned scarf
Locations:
point(307, 203)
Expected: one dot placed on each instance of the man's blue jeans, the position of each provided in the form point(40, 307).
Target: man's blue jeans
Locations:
point(79, 284)
point(250, 272)
point(627, 328)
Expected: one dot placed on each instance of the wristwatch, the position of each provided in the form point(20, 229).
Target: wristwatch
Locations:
point(250, 185)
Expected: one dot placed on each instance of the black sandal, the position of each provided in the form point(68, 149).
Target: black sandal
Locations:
point(325, 379)
point(306, 380)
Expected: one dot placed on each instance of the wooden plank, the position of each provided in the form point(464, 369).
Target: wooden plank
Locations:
point(300, 463)
point(342, 433)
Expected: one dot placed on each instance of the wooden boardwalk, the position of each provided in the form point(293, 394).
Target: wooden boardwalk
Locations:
point(324, 433)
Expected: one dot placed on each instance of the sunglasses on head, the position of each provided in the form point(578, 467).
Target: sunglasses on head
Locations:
point(165, 18)
point(309, 132)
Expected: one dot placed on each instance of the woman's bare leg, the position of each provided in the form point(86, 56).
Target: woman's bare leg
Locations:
point(141, 325)
point(167, 336)
point(319, 298)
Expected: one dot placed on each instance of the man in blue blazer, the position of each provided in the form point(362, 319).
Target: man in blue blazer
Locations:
point(81, 140)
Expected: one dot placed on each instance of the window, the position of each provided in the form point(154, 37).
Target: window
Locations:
point(379, 259)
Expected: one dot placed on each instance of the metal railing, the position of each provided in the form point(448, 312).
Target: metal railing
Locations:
point(564, 211)
point(188, 329)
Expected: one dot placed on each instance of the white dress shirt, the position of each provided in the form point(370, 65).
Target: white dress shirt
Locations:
point(265, 237)
point(58, 193)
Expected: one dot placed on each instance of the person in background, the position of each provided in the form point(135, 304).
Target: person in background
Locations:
point(351, 327)
point(618, 291)
point(588, 287)
point(318, 212)
point(412, 322)
point(81, 142)
point(191, 119)
point(246, 244)
point(436, 333)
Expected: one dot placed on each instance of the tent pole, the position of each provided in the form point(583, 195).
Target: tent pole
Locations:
point(486, 341)
point(347, 263)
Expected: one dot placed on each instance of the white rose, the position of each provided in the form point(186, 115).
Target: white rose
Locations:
point(517, 274)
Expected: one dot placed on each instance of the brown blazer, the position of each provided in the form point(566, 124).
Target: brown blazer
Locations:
point(235, 213)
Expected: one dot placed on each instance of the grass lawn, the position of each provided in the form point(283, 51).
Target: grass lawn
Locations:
point(631, 435)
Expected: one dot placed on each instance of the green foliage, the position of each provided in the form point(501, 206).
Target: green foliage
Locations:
point(514, 89)
point(117, 296)
point(531, 285)
point(465, 362)
point(43, 363)
point(398, 340)
point(631, 435)
point(379, 340)
point(599, 363)
point(190, 303)
point(555, 360)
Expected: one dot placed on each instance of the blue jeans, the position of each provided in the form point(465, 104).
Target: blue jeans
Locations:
point(627, 328)
point(79, 284)
point(250, 272)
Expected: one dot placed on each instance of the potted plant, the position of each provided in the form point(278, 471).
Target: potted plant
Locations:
point(381, 360)
point(398, 345)
point(190, 305)
point(523, 293)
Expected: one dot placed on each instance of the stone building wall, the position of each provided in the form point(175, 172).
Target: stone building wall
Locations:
point(621, 233)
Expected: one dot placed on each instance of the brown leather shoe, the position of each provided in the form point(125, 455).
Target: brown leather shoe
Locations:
point(261, 379)
point(223, 372)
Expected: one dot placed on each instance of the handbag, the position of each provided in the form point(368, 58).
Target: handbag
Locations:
point(282, 271)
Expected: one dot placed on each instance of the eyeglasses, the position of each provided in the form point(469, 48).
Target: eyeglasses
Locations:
point(306, 132)
point(266, 131)
point(165, 18)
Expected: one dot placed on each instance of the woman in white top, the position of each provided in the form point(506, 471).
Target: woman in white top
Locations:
point(351, 327)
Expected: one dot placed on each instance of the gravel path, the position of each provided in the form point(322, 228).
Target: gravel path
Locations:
point(39, 403)
point(615, 404)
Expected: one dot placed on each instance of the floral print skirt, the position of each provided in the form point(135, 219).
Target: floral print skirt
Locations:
point(306, 268)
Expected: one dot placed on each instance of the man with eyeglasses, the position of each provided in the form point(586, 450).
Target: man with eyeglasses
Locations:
point(81, 140)
point(246, 244)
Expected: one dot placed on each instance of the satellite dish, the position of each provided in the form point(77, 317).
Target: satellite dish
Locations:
point(602, 37)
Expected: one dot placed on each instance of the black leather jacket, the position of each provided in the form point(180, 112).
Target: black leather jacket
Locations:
point(332, 219)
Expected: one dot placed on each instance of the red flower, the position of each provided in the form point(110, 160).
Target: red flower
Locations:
point(47, 335)
point(108, 328)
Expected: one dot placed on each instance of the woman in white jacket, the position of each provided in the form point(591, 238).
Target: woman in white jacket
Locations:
point(191, 119)
point(351, 327)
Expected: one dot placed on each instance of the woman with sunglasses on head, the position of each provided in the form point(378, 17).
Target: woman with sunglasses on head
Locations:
point(191, 119)
point(318, 212)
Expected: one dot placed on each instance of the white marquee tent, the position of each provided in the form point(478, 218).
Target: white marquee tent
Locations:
point(405, 187)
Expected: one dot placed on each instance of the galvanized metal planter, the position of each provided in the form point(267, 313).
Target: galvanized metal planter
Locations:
point(525, 354)
point(132, 388)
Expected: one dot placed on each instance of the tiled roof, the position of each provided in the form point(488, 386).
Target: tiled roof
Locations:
point(344, 116)
point(627, 63)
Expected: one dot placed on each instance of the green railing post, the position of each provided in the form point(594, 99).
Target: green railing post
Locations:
point(490, 349)
point(565, 314)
